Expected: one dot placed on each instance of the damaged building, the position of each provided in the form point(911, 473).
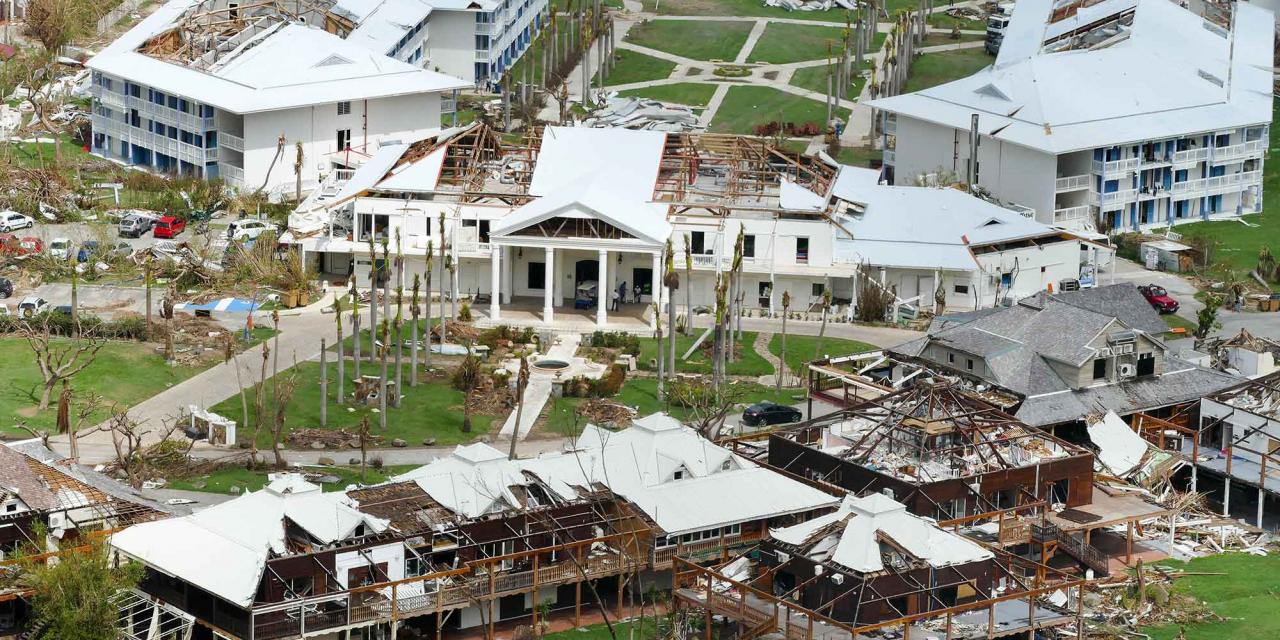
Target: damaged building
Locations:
point(466, 541)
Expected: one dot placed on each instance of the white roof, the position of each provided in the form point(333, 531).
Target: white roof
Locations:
point(921, 227)
point(606, 174)
point(869, 521)
point(1154, 84)
point(381, 24)
point(294, 65)
point(224, 549)
point(639, 464)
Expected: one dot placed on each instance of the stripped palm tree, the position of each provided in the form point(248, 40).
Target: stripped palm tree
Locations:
point(415, 311)
point(672, 281)
point(782, 365)
point(688, 285)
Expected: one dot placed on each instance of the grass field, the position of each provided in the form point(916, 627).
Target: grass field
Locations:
point(933, 69)
point(1235, 246)
point(815, 79)
point(224, 478)
point(642, 393)
point(749, 363)
point(756, 9)
point(601, 632)
point(800, 349)
point(1245, 594)
point(689, 94)
point(944, 21)
point(34, 154)
point(430, 410)
point(858, 156)
point(637, 67)
point(784, 42)
point(695, 39)
point(20, 394)
point(748, 106)
point(939, 39)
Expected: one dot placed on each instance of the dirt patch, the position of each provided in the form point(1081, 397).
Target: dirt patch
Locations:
point(28, 412)
point(605, 412)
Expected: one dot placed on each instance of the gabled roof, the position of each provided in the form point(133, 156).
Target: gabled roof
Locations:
point(224, 549)
point(853, 536)
point(1084, 99)
point(593, 197)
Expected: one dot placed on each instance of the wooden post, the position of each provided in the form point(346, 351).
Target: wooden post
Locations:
point(706, 631)
point(621, 614)
point(1226, 484)
point(1080, 612)
point(991, 621)
point(577, 594)
point(1262, 483)
point(1128, 544)
point(324, 386)
point(949, 636)
point(492, 588)
point(536, 557)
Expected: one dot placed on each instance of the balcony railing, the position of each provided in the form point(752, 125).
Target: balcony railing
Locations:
point(1238, 151)
point(154, 141)
point(1216, 184)
point(1070, 213)
point(1191, 156)
point(1072, 183)
point(1116, 166)
point(481, 248)
point(230, 141)
point(1115, 197)
point(231, 174)
point(889, 156)
point(482, 55)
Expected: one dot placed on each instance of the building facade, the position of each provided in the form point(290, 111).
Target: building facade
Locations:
point(1073, 120)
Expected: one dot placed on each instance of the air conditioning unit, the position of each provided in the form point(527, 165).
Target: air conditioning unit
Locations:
point(1104, 352)
point(1127, 371)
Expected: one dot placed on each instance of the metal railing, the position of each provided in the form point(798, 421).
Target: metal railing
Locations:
point(1072, 183)
point(1216, 183)
point(1115, 197)
point(231, 174)
point(154, 141)
point(1116, 166)
point(482, 248)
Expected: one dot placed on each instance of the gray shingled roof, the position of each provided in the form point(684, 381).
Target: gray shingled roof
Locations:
point(1121, 301)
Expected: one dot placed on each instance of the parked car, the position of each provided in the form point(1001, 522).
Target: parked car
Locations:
point(169, 227)
point(134, 225)
point(6, 287)
point(63, 309)
point(247, 229)
point(4, 310)
point(25, 246)
point(88, 250)
point(32, 306)
point(12, 221)
point(1158, 298)
point(60, 248)
point(766, 413)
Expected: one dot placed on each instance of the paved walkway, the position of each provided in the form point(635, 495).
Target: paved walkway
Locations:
point(761, 346)
point(538, 391)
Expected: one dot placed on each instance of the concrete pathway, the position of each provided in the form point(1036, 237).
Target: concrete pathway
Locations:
point(761, 345)
point(757, 30)
point(538, 391)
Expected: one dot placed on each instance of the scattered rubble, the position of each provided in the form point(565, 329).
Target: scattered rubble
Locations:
point(643, 113)
point(811, 5)
point(328, 438)
point(602, 411)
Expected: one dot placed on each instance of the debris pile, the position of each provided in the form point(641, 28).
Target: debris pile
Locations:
point(328, 439)
point(605, 412)
point(810, 5)
point(643, 113)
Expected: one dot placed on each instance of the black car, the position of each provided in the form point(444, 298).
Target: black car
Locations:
point(6, 288)
point(765, 413)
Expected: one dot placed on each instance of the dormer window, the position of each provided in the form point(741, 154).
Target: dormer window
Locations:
point(678, 475)
point(728, 464)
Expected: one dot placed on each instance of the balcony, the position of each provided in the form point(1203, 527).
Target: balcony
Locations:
point(1216, 184)
point(153, 141)
point(1116, 166)
point(888, 156)
point(1061, 216)
point(486, 28)
point(1114, 198)
point(230, 141)
point(1190, 156)
point(233, 175)
point(475, 248)
point(1237, 151)
point(1072, 183)
point(482, 55)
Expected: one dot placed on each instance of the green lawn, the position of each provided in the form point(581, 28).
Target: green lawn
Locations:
point(858, 156)
point(815, 79)
point(933, 69)
point(938, 39)
point(20, 394)
point(748, 106)
point(694, 39)
point(689, 94)
point(221, 480)
point(637, 67)
point(428, 410)
point(601, 632)
point(784, 42)
point(756, 9)
point(33, 154)
point(943, 21)
point(561, 418)
point(1235, 246)
point(1246, 596)
point(800, 349)
point(749, 362)
point(1176, 321)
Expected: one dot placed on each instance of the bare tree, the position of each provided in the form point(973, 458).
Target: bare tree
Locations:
point(355, 326)
point(284, 389)
point(782, 364)
point(688, 285)
point(58, 359)
point(259, 410)
point(466, 378)
point(444, 321)
point(707, 405)
point(522, 381)
point(337, 317)
point(822, 330)
point(672, 281)
point(415, 312)
point(430, 292)
point(364, 445)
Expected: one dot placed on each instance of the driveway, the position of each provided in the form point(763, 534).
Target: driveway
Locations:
point(1257, 323)
point(104, 301)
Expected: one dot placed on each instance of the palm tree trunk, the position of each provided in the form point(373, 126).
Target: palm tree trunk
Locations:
point(413, 349)
point(356, 339)
point(782, 357)
point(671, 331)
point(688, 298)
point(822, 331)
point(382, 382)
point(341, 365)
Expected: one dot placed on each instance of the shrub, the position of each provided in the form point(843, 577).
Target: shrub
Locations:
point(492, 336)
point(464, 313)
point(376, 462)
point(611, 383)
point(628, 343)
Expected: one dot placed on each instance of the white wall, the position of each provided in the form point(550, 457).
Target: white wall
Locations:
point(392, 554)
point(394, 118)
point(1013, 173)
point(451, 45)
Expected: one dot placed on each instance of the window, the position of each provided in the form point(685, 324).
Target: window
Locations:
point(698, 240)
point(344, 108)
point(733, 530)
point(299, 587)
point(1146, 364)
point(415, 565)
point(802, 250)
point(344, 139)
point(1099, 368)
point(678, 475)
point(968, 363)
point(537, 275)
point(748, 246)
point(951, 358)
point(726, 465)
point(817, 289)
point(377, 224)
point(961, 289)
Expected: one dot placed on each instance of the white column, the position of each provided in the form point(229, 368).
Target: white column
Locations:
point(548, 286)
point(656, 288)
point(495, 280)
point(509, 268)
point(603, 293)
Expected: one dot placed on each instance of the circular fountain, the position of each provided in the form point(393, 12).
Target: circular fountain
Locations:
point(550, 364)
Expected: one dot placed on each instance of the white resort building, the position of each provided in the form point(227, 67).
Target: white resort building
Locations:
point(568, 218)
point(218, 88)
point(1111, 116)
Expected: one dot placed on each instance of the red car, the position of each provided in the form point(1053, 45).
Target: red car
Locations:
point(169, 227)
point(26, 246)
point(1158, 298)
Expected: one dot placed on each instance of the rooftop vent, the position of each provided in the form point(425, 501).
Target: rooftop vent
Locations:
point(332, 60)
